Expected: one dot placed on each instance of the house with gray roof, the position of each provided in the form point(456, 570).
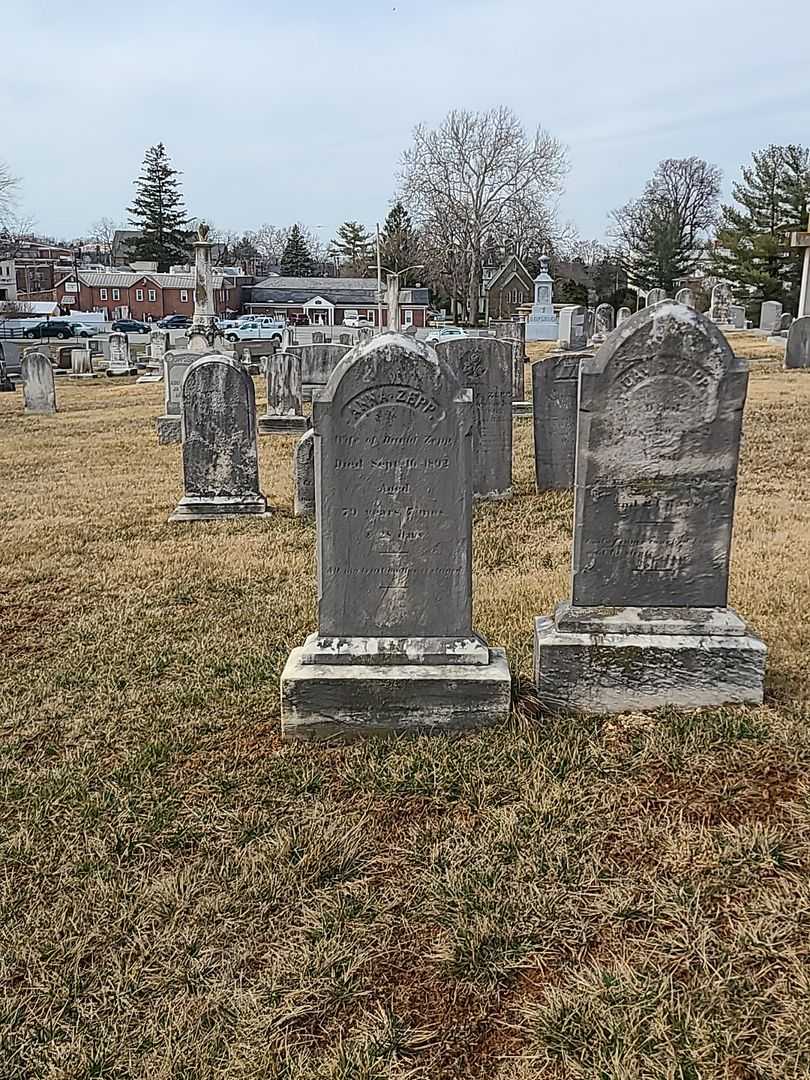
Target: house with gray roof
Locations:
point(328, 301)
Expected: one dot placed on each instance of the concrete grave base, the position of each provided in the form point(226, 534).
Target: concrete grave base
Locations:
point(114, 372)
point(283, 425)
point(351, 701)
point(200, 508)
point(615, 663)
point(168, 429)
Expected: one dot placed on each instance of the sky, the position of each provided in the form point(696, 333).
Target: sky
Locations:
point(286, 110)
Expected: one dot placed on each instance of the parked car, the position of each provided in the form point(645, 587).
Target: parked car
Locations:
point(57, 328)
point(356, 320)
point(446, 334)
point(260, 328)
point(174, 322)
point(131, 326)
point(298, 320)
point(83, 329)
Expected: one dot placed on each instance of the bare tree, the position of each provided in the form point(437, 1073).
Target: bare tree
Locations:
point(8, 190)
point(474, 174)
point(102, 233)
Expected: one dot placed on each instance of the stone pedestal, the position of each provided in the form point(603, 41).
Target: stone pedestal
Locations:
point(603, 660)
point(283, 425)
point(214, 507)
point(352, 699)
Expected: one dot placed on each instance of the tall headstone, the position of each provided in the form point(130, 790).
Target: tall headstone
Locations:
point(685, 297)
point(555, 381)
point(622, 314)
point(797, 352)
point(220, 456)
point(660, 414)
point(514, 330)
point(485, 365)
point(175, 365)
point(736, 314)
point(769, 316)
point(121, 362)
point(81, 363)
point(655, 296)
point(304, 475)
point(573, 328)
point(395, 649)
point(604, 322)
point(543, 324)
point(285, 410)
point(204, 333)
point(722, 299)
point(159, 344)
point(39, 392)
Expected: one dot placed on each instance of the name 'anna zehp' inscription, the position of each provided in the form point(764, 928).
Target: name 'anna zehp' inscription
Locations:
point(392, 444)
point(658, 441)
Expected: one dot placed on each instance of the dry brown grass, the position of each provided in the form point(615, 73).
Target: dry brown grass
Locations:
point(182, 896)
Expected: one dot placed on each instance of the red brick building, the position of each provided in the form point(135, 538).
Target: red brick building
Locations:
point(139, 294)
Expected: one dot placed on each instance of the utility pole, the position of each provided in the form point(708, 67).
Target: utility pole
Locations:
point(379, 282)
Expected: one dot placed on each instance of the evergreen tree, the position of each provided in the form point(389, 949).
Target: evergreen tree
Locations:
point(159, 213)
point(399, 247)
point(753, 238)
point(352, 247)
point(297, 260)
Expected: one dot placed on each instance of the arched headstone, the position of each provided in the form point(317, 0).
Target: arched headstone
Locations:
point(685, 297)
point(722, 299)
point(39, 391)
point(655, 296)
point(604, 321)
point(395, 649)
point(304, 475)
point(220, 458)
point(622, 314)
point(660, 412)
point(797, 352)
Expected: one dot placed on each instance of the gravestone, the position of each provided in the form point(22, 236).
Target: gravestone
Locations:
point(365, 333)
point(622, 314)
point(317, 363)
point(120, 359)
point(175, 365)
point(573, 329)
point(304, 475)
point(6, 385)
point(722, 299)
point(555, 381)
point(797, 352)
point(685, 297)
point(81, 363)
point(655, 296)
point(285, 412)
point(395, 649)
point(345, 339)
point(769, 316)
point(39, 392)
point(658, 439)
point(542, 324)
point(514, 330)
point(604, 322)
point(785, 322)
point(318, 337)
point(220, 457)
point(485, 365)
point(736, 313)
point(64, 358)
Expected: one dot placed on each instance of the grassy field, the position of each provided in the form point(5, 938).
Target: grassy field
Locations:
point(184, 897)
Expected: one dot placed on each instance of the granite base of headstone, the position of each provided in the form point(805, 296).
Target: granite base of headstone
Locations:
point(394, 650)
point(304, 475)
point(220, 455)
point(555, 381)
point(797, 352)
point(658, 436)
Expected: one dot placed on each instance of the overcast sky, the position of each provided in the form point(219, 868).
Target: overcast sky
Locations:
point(283, 111)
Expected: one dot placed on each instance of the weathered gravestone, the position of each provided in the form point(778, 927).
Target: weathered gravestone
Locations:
point(345, 339)
point(6, 385)
point(64, 358)
point(736, 314)
point(685, 297)
point(318, 337)
point(655, 296)
point(604, 322)
point(304, 475)
point(120, 357)
point(573, 329)
point(220, 457)
point(485, 365)
point(555, 381)
point(658, 439)
point(365, 333)
point(769, 315)
point(622, 314)
point(722, 299)
point(395, 649)
point(39, 392)
point(317, 363)
point(175, 365)
point(797, 352)
point(514, 330)
point(285, 412)
point(785, 322)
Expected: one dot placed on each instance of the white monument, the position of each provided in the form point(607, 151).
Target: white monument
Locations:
point(802, 240)
point(542, 324)
point(204, 334)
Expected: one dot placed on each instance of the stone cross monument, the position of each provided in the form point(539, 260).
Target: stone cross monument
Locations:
point(203, 335)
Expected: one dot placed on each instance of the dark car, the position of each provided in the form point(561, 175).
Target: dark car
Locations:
point(298, 320)
point(131, 326)
point(58, 328)
point(175, 322)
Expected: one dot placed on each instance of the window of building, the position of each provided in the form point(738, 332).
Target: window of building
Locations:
point(371, 316)
point(152, 296)
point(103, 294)
point(139, 294)
point(116, 294)
point(408, 317)
point(184, 296)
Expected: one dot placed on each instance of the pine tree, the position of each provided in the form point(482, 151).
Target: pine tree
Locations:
point(352, 247)
point(159, 213)
point(753, 238)
point(399, 247)
point(297, 260)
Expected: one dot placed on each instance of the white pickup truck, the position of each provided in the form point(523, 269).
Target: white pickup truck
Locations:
point(270, 329)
